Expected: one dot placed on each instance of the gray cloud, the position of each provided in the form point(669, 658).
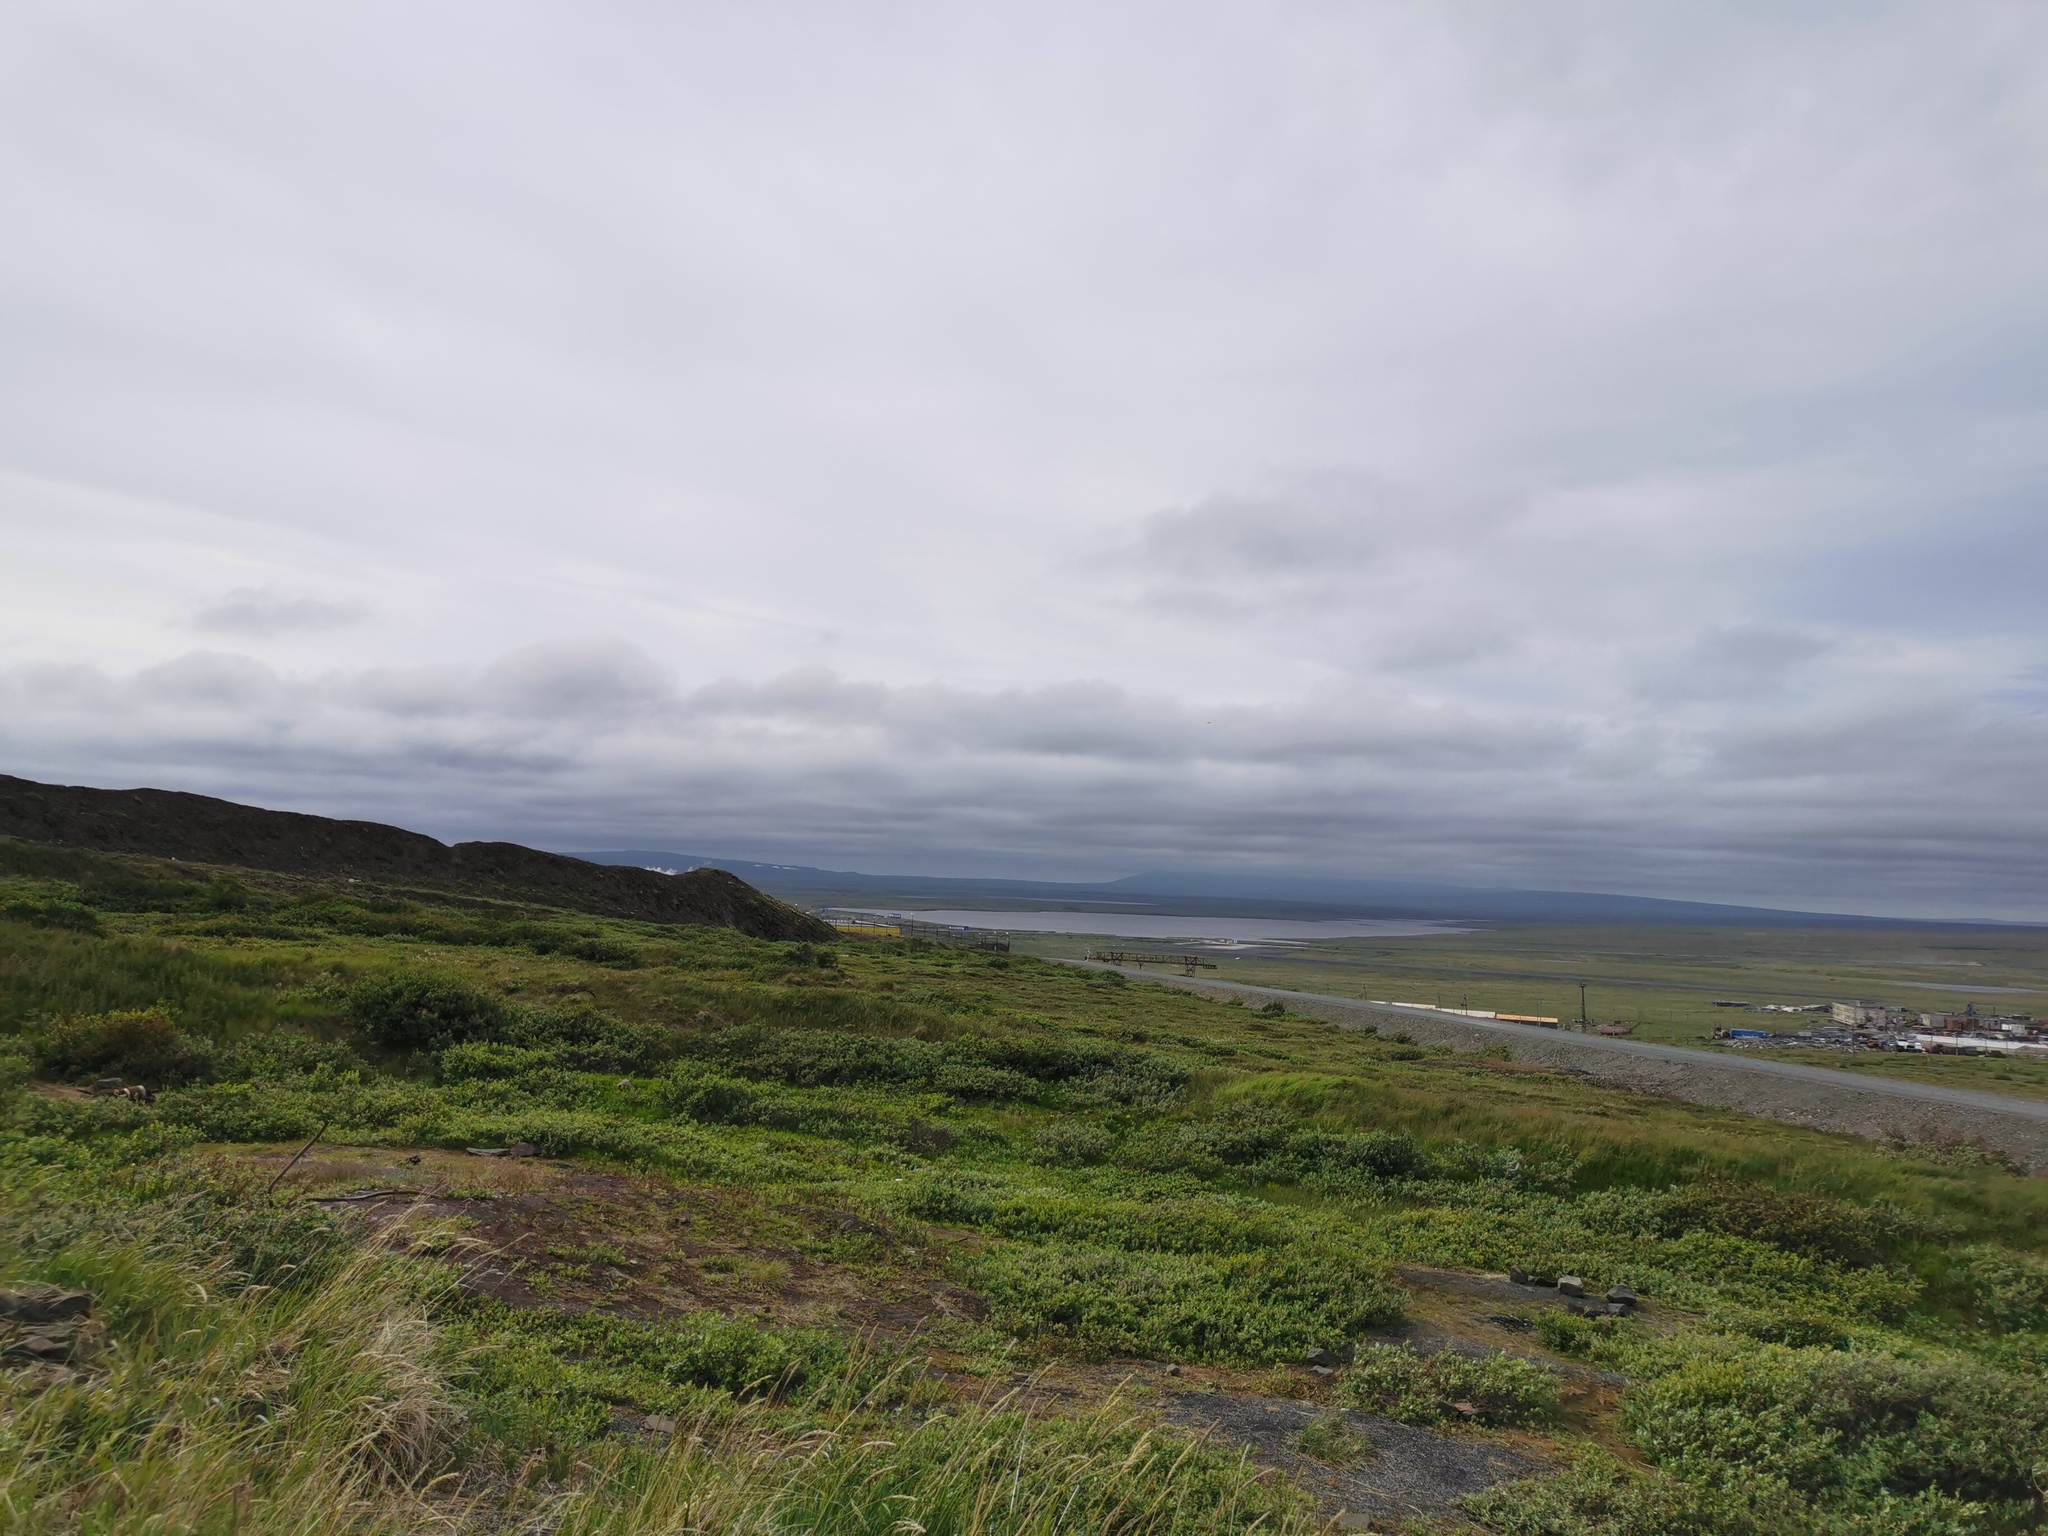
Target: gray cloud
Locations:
point(260, 612)
point(1601, 446)
point(1744, 661)
point(1919, 796)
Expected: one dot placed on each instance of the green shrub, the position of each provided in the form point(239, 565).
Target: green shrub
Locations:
point(712, 1100)
point(1393, 1380)
point(979, 1080)
point(53, 914)
point(1246, 1309)
point(1071, 1142)
point(1846, 1425)
point(1272, 1146)
point(589, 1039)
point(1596, 1495)
point(483, 1059)
point(2008, 1290)
point(139, 1044)
point(1814, 1225)
point(416, 1012)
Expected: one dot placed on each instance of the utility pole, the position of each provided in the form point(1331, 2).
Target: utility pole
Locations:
point(1582, 1004)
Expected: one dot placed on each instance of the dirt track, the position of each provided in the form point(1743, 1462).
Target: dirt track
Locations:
point(1818, 1097)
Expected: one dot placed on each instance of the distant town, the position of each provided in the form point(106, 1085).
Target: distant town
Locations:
point(1877, 1027)
point(1851, 1026)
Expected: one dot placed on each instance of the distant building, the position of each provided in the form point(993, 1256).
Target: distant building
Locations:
point(1950, 1043)
point(1861, 1015)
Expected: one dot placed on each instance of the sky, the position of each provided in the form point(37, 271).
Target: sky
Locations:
point(1589, 446)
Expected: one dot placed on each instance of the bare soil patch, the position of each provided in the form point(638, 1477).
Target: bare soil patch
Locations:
point(1406, 1473)
point(532, 1233)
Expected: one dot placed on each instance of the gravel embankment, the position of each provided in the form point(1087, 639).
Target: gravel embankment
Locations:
point(1816, 1097)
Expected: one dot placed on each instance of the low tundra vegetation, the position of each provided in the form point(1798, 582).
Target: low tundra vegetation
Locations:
point(1087, 1173)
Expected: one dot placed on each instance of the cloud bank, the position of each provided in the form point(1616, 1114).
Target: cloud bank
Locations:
point(1603, 449)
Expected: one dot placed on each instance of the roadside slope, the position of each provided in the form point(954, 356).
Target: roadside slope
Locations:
point(1815, 1097)
point(199, 829)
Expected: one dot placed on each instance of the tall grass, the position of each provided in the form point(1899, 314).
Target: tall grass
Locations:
point(216, 1408)
point(261, 1412)
point(992, 1469)
point(48, 973)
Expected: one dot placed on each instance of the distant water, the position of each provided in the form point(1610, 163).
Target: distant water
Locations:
point(1123, 925)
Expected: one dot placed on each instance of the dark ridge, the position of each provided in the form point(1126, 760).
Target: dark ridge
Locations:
point(167, 824)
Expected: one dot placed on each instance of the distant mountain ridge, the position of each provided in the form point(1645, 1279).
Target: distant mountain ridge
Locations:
point(1249, 895)
point(168, 824)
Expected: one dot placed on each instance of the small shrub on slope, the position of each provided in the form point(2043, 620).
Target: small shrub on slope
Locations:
point(142, 1045)
point(409, 1012)
point(1393, 1380)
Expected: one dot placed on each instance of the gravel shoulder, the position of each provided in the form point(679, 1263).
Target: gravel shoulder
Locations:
point(1816, 1097)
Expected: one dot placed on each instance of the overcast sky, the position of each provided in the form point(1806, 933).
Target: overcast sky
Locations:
point(1583, 445)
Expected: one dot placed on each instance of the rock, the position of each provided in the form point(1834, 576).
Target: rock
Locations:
point(49, 1347)
point(1617, 1309)
point(44, 1304)
point(485, 1151)
point(625, 1085)
point(1465, 1410)
point(1622, 1294)
point(856, 1226)
point(522, 1149)
point(108, 1085)
point(1323, 1357)
point(1519, 1275)
point(1323, 1370)
point(37, 1346)
point(658, 1424)
point(1173, 1370)
point(1570, 1285)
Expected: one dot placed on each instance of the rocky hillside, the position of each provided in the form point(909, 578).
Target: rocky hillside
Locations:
point(198, 829)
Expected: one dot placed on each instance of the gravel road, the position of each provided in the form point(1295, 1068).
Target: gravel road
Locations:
point(1818, 1097)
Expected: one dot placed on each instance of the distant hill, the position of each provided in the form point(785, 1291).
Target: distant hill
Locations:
point(1188, 895)
point(198, 829)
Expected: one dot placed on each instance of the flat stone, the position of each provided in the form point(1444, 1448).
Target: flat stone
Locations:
point(43, 1303)
point(658, 1424)
point(1570, 1285)
point(1622, 1294)
point(38, 1346)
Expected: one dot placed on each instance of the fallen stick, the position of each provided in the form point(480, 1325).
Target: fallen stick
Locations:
point(287, 1168)
point(364, 1194)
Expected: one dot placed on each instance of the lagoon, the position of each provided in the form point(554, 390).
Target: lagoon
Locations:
point(1156, 925)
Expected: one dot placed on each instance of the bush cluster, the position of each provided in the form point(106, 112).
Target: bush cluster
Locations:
point(1396, 1382)
point(975, 1067)
point(141, 1045)
point(1846, 1426)
point(1269, 1145)
point(1244, 1309)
